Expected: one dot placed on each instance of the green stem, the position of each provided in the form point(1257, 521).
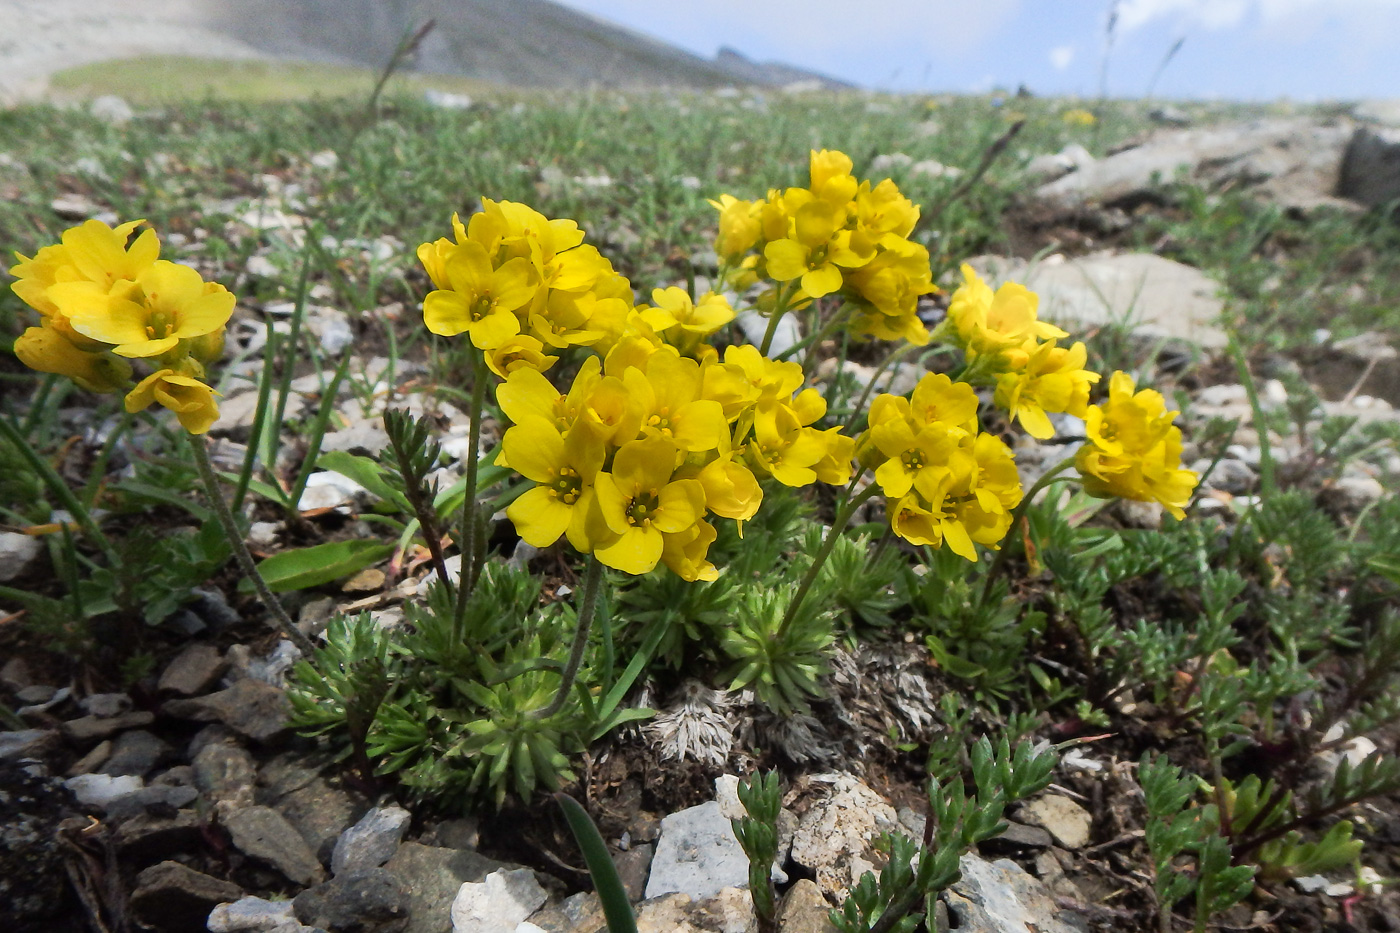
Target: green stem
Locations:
point(859, 408)
point(780, 302)
point(1267, 484)
point(999, 562)
point(61, 492)
point(99, 467)
point(467, 546)
point(591, 584)
point(838, 525)
point(36, 406)
point(814, 342)
point(280, 620)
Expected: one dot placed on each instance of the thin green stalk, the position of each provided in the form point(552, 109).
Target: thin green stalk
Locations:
point(1267, 484)
point(467, 546)
point(36, 405)
point(999, 562)
point(780, 306)
point(61, 492)
point(99, 468)
point(859, 408)
point(317, 434)
point(815, 341)
point(250, 456)
point(592, 581)
point(838, 525)
point(279, 618)
point(284, 387)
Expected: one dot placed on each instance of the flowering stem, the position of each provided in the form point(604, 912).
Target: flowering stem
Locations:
point(780, 302)
point(889, 361)
point(838, 525)
point(280, 620)
point(466, 572)
point(591, 583)
point(60, 491)
point(1051, 475)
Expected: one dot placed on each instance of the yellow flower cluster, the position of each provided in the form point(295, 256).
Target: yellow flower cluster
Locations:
point(943, 479)
point(104, 300)
point(836, 236)
point(1134, 449)
point(645, 445)
point(520, 286)
point(1078, 117)
point(1005, 341)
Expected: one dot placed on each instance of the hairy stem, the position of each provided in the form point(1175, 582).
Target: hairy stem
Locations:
point(467, 545)
point(999, 562)
point(592, 582)
point(279, 620)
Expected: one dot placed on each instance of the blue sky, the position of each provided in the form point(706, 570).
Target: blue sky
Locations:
point(1241, 49)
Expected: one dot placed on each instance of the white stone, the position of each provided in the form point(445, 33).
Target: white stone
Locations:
point(498, 904)
point(111, 108)
point(833, 836)
point(697, 854)
point(18, 552)
point(250, 915)
point(1152, 296)
point(100, 790)
point(328, 490)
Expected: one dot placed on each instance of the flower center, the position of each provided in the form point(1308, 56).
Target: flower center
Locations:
point(158, 324)
point(913, 460)
point(567, 486)
point(641, 509)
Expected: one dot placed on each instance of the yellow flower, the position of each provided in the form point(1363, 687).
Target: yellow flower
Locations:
point(683, 320)
point(731, 489)
point(937, 399)
point(1003, 322)
point(641, 503)
point(167, 303)
point(564, 468)
point(1134, 449)
point(519, 352)
point(480, 300)
point(1054, 380)
point(668, 395)
point(191, 400)
point(816, 251)
point(784, 448)
point(924, 455)
point(739, 226)
point(565, 320)
point(597, 401)
point(1078, 117)
point(684, 552)
point(831, 178)
point(46, 350)
point(885, 216)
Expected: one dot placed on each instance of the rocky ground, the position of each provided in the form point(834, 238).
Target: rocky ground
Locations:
point(186, 803)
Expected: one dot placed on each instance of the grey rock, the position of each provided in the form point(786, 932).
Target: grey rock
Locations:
point(18, 553)
point(370, 901)
point(175, 898)
point(94, 728)
point(1018, 838)
point(460, 833)
point(101, 790)
point(729, 911)
point(155, 796)
point(366, 438)
point(1371, 167)
point(697, 854)
point(431, 876)
point(1167, 115)
point(327, 490)
point(250, 915)
point(578, 913)
point(193, 671)
point(105, 705)
point(1218, 396)
point(1047, 168)
point(497, 904)
point(1295, 163)
point(1152, 296)
point(1064, 819)
point(225, 773)
point(1230, 475)
point(15, 675)
point(27, 743)
point(112, 109)
point(1001, 897)
point(372, 841)
point(833, 837)
point(56, 698)
point(264, 834)
point(150, 837)
point(36, 695)
point(633, 867)
point(212, 607)
point(805, 910)
point(1384, 112)
point(34, 884)
point(667, 914)
point(319, 808)
point(136, 752)
point(250, 707)
point(1354, 493)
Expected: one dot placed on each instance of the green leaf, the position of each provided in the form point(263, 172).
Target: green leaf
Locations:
point(311, 566)
point(616, 907)
point(368, 473)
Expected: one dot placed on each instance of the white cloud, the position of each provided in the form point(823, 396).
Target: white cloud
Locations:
point(1061, 56)
point(1223, 14)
